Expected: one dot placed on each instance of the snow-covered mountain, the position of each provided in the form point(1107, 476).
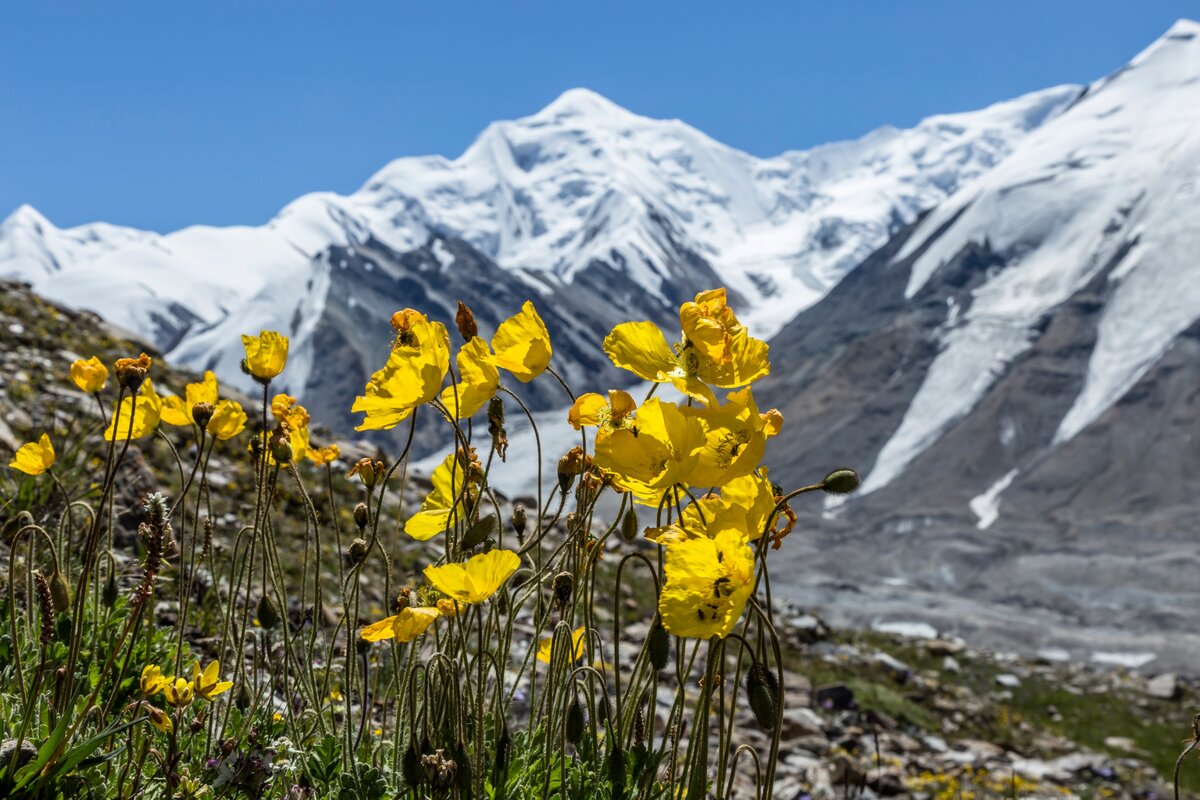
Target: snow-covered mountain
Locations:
point(1018, 377)
point(596, 212)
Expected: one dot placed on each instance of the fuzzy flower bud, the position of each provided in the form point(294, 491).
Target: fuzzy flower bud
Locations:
point(131, 372)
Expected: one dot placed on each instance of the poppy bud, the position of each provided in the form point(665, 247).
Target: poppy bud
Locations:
point(575, 722)
point(369, 471)
point(464, 770)
point(762, 688)
point(495, 413)
point(131, 372)
point(60, 590)
point(629, 525)
point(409, 766)
point(109, 594)
point(466, 322)
point(361, 516)
point(658, 644)
point(617, 767)
point(503, 751)
point(841, 481)
point(268, 615)
point(518, 521)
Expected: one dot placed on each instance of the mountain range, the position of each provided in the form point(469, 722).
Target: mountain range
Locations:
point(992, 315)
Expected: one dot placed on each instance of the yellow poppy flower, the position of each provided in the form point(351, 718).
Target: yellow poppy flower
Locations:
point(742, 508)
point(723, 354)
point(438, 507)
point(449, 608)
point(178, 410)
point(207, 682)
point(178, 692)
point(478, 380)
point(734, 439)
point(90, 375)
point(596, 411)
point(227, 421)
point(657, 451)
point(412, 376)
point(323, 455)
point(403, 627)
point(266, 354)
point(144, 410)
point(152, 680)
point(34, 458)
point(477, 579)
point(522, 344)
point(578, 640)
point(707, 584)
point(293, 419)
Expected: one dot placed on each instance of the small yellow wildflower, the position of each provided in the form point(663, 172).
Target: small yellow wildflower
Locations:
point(522, 344)
point(477, 579)
point(266, 354)
point(412, 376)
point(596, 411)
point(145, 410)
point(178, 410)
point(448, 608)
point(578, 640)
point(178, 691)
point(440, 505)
point(227, 421)
point(323, 455)
point(90, 375)
point(34, 458)
point(403, 627)
point(477, 382)
point(152, 680)
point(207, 683)
point(158, 718)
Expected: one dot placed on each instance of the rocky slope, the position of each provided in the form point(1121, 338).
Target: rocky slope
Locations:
point(1016, 378)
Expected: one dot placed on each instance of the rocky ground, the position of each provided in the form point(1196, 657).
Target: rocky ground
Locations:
point(866, 714)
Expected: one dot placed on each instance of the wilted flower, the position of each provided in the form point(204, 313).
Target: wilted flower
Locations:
point(132, 371)
point(90, 375)
point(34, 458)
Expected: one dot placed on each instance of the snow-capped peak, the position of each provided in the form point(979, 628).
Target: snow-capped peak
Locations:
point(1106, 190)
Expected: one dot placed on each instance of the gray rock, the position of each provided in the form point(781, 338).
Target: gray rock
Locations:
point(1165, 686)
point(1008, 680)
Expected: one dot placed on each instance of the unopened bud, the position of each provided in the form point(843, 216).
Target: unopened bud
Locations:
point(361, 516)
point(762, 689)
point(60, 591)
point(403, 600)
point(658, 644)
point(841, 481)
point(562, 585)
point(369, 471)
point(575, 722)
point(281, 447)
point(268, 615)
point(629, 525)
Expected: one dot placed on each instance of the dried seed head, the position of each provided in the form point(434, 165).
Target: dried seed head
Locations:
point(563, 584)
point(357, 552)
point(466, 322)
point(131, 372)
point(361, 516)
point(202, 414)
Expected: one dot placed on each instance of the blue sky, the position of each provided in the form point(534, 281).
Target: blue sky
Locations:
point(163, 114)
